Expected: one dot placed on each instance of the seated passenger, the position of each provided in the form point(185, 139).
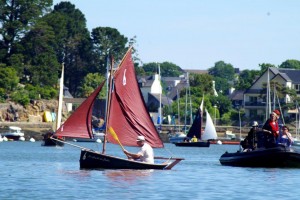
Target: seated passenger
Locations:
point(286, 137)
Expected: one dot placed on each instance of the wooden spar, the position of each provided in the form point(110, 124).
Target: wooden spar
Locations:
point(74, 145)
point(109, 96)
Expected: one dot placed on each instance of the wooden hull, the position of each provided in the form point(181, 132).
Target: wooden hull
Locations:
point(90, 159)
point(193, 144)
point(272, 157)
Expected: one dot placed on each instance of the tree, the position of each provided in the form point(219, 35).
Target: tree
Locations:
point(16, 19)
point(41, 66)
point(108, 42)
point(201, 84)
point(222, 70)
point(90, 83)
point(8, 79)
point(246, 78)
point(291, 64)
point(76, 46)
point(264, 67)
point(167, 69)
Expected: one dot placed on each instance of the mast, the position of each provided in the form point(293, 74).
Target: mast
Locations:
point(191, 113)
point(159, 78)
point(268, 100)
point(178, 110)
point(108, 98)
point(186, 93)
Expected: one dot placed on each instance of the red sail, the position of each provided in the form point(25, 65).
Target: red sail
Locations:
point(128, 115)
point(79, 124)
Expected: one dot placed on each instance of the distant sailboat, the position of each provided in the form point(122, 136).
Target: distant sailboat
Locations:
point(47, 140)
point(196, 130)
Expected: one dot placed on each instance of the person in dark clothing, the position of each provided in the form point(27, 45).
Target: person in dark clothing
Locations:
point(249, 143)
point(271, 129)
point(252, 135)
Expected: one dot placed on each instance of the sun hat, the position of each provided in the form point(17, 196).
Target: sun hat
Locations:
point(254, 123)
point(276, 113)
point(140, 138)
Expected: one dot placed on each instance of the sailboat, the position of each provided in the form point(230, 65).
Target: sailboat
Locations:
point(196, 130)
point(48, 137)
point(126, 115)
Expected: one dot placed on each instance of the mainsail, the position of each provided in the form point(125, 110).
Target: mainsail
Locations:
point(210, 130)
point(127, 113)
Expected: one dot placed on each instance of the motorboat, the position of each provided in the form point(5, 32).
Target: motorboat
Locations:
point(14, 134)
point(278, 156)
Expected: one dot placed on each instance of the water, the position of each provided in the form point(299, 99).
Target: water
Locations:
point(30, 171)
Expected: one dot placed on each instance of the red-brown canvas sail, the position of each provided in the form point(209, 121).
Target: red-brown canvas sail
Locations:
point(79, 124)
point(128, 115)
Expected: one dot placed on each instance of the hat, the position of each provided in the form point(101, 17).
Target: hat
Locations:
point(254, 123)
point(276, 112)
point(140, 138)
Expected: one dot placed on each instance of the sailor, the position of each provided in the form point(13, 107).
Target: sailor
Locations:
point(194, 139)
point(271, 129)
point(145, 154)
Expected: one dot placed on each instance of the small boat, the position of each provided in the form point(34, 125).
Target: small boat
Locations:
point(14, 134)
point(195, 130)
point(178, 137)
point(126, 114)
point(279, 156)
point(50, 140)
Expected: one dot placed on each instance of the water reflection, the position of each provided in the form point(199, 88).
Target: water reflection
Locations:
point(127, 175)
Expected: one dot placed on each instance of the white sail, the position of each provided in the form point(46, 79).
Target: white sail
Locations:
point(210, 130)
point(60, 100)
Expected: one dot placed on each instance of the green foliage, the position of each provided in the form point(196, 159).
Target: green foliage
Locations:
point(222, 85)
point(2, 95)
point(36, 92)
point(222, 70)
point(90, 83)
point(20, 96)
point(8, 78)
point(16, 19)
point(167, 69)
point(75, 47)
point(226, 119)
point(222, 102)
point(291, 64)
point(108, 42)
point(264, 67)
point(246, 78)
point(201, 84)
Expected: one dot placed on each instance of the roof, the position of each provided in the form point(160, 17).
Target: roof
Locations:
point(237, 95)
point(292, 74)
point(196, 71)
point(164, 99)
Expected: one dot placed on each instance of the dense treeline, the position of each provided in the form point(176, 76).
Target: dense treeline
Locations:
point(36, 38)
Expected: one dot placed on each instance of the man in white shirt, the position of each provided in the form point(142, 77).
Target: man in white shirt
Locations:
point(145, 154)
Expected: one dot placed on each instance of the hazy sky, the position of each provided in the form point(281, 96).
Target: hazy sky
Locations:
point(195, 34)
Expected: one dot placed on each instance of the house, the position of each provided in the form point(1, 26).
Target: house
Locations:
point(255, 98)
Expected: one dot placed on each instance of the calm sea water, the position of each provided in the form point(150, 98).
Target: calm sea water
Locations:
point(31, 171)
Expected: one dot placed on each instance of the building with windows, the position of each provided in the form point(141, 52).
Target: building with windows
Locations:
point(255, 101)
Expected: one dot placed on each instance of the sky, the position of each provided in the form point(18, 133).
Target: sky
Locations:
point(195, 34)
